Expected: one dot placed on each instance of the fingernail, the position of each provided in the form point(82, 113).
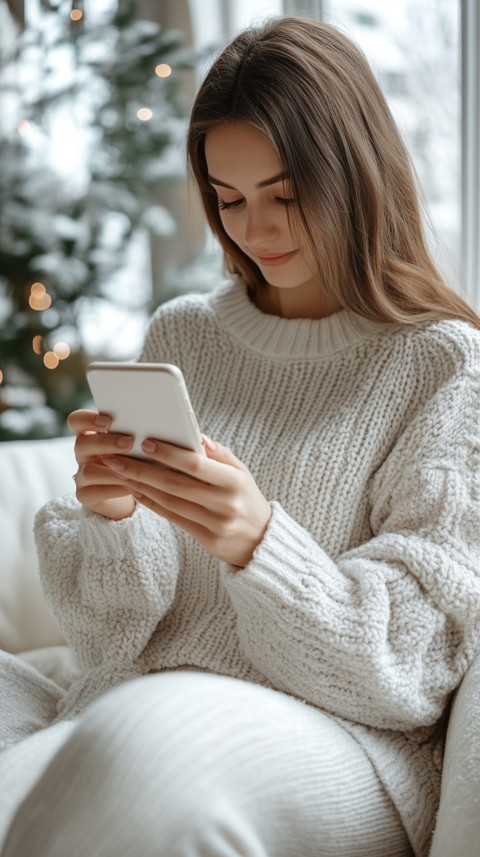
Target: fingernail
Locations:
point(210, 444)
point(124, 442)
point(115, 463)
point(149, 446)
point(102, 421)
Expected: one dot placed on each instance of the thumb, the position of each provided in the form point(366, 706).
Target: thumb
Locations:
point(221, 453)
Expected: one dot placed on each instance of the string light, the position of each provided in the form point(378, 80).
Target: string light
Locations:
point(51, 360)
point(24, 127)
point(39, 299)
point(39, 304)
point(1, 377)
point(62, 350)
point(163, 70)
point(76, 14)
point(38, 289)
point(144, 114)
point(37, 344)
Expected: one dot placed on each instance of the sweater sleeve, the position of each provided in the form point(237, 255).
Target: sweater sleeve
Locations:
point(108, 583)
point(383, 633)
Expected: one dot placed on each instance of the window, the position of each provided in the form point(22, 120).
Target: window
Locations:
point(470, 47)
point(414, 50)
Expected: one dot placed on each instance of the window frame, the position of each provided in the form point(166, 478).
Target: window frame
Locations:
point(470, 142)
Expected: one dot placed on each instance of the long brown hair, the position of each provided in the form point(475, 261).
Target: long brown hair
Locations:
point(311, 92)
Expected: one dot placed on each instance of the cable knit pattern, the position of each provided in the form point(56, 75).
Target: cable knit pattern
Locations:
point(110, 583)
point(363, 597)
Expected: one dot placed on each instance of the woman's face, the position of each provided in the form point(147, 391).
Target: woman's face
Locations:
point(254, 197)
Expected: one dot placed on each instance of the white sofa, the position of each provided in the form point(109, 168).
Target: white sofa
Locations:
point(32, 472)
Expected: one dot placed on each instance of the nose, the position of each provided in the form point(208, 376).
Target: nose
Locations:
point(259, 226)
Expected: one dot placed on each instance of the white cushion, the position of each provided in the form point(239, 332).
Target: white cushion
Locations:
point(31, 472)
point(458, 822)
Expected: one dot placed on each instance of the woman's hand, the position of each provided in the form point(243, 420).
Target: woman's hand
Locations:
point(98, 486)
point(214, 497)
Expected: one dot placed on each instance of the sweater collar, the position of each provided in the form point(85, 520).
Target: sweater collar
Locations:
point(279, 337)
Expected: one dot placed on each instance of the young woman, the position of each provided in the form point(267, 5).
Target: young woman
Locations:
point(295, 609)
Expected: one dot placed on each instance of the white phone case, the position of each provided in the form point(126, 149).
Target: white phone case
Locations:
point(146, 400)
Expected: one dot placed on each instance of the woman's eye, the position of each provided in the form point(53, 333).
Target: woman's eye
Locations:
point(283, 200)
point(223, 206)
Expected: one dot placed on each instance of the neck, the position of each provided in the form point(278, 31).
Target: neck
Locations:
point(305, 301)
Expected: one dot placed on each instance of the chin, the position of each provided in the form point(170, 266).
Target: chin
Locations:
point(289, 283)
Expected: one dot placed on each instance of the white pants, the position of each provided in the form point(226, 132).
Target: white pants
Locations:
point(187, 764)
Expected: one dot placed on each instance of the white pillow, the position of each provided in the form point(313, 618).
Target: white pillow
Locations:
point(458, 821)
point(31, 472)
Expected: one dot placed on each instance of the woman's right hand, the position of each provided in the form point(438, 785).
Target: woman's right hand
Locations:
point(98, 487)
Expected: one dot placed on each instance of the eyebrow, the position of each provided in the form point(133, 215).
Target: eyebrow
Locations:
point(266, 182)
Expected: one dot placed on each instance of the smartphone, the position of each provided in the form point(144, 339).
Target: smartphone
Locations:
point(146, 400)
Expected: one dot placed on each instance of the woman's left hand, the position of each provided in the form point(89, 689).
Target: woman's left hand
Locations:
point(214, 498)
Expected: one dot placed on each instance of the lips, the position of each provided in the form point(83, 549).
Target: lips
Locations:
point(277, 259)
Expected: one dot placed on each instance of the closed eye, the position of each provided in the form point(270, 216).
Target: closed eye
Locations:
point(223, 206)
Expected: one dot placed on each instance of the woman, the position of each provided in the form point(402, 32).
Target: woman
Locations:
point(301, 603)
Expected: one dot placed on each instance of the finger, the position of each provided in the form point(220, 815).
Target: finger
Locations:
point(96, 474)
point(84, 420)
point(209, 512)
point(182, 509)
point(198, 531)
point(198, 466)
point(169, 483)
point(218, 452)
point(96, 444)
point(93, 495)
point(96, 483)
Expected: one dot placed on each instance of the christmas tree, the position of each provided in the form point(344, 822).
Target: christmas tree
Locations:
point(62, 241)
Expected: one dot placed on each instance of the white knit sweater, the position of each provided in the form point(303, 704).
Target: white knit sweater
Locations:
point(363, 597)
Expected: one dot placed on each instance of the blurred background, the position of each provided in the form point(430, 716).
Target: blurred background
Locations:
point(98, 223)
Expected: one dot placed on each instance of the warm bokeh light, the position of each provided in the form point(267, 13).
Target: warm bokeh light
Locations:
point(38, 289)
point(163, 70)
point(37, 344)
point(76, 14)
point(23, 127)
point(40, 302)
point(1, 377)
point(62, 350)
point(51, 360)
point(144, 114)
point(39, 299)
